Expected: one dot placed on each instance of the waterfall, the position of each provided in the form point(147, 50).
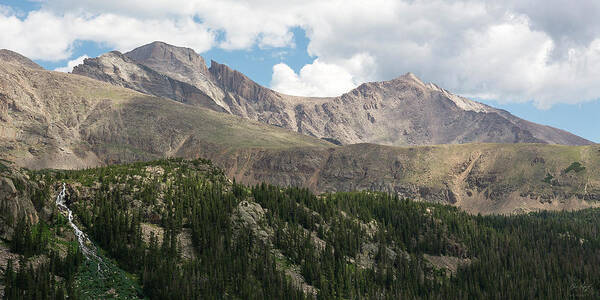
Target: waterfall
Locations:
point(85, 244)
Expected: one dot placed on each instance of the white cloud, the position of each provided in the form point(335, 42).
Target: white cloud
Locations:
point(47, 36)
point(507, 50)
point(321, 79)
point(40, 36)
point(316, 79)
point(71, 64)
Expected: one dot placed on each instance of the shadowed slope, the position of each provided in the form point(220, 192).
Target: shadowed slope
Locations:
point(486, 178)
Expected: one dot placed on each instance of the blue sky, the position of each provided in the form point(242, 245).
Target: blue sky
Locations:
point(350, 51)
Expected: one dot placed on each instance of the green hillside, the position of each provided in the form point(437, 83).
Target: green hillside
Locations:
point(180, 229)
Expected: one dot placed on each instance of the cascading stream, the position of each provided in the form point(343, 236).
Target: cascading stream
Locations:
point(84, 241)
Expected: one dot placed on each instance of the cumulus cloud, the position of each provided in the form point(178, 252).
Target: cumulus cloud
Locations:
point(321, 79)
point(71, 64)
point(316, 79)
point(502, 50)
point(48, 36)
point(569, 24)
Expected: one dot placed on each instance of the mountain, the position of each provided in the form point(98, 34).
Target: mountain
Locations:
point(57, 120)
point(16, 58)
point(142, 185)
point(117, 69)
point(402, 111)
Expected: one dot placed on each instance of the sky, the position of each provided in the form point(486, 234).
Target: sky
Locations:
point(539, 59)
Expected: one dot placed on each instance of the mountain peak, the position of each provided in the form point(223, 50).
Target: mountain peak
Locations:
point(410, 77)
point(368, 113)
point(160, 49)
point(16, 58)
point(181, 63)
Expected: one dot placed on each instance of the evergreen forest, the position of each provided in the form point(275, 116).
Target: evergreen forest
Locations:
point(180, 229)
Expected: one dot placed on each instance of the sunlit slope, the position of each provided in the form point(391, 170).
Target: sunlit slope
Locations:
point(57, 120)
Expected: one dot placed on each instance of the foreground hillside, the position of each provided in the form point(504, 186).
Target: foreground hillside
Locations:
point(177, 229)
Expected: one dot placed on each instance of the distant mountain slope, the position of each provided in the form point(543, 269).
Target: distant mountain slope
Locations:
point(403, 111)
point(58, 120)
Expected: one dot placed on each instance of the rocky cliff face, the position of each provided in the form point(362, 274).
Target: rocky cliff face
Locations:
point(403, 111)
point(179, 63)
point(117, 69)
point(15, 199)
point(480, 178)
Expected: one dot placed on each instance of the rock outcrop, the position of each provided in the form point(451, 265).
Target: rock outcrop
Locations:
point(15, 199)
point(117, 69)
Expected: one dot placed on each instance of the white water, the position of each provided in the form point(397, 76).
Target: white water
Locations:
point(84, 241)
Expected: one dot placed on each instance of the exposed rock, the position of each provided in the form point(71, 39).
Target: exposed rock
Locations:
point(174, 61)
point(293, 272)
point(117, 69)
point(150, 229)
point(184, 239)
point(298, 281)
point(5, 256)
point(15, 203)
point(181, 64)
point(184, 242)
point(252, 216)
point(368, 254)
point(448, 263)
point(480, 178)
